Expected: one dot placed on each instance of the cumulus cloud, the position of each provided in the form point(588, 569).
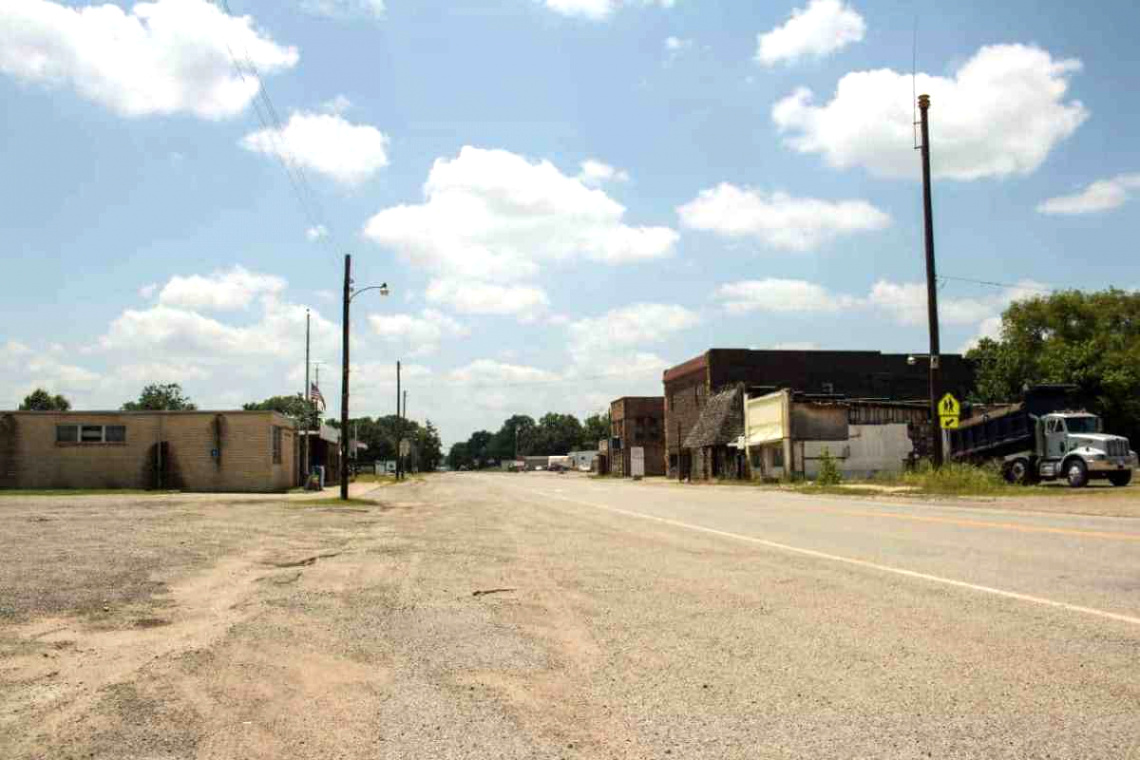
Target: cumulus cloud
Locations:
point(421, 334)
point(475, 297)
point(902, 302)
point(492, 219)
point(817, 31)
point(344, 9)
point(1001, 114)
point(599, 10)
point(778, 219)
point(163, 57)
point(325, 143)
point(595, 173)
point(592, 339)
point(1102, 195)
point(781, 296)
point(225, 290)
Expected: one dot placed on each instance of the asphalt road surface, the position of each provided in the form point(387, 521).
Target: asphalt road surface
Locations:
point(543, 616)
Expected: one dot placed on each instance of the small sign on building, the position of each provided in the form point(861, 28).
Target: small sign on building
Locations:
point(637, 462)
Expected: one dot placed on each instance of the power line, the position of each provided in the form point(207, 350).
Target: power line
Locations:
point(992, 283)
point(271, 123)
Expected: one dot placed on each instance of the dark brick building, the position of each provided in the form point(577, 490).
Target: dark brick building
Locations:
point(853, 374)
point(637, 421)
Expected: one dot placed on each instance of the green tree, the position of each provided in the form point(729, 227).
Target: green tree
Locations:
point(158, 397)
point(40, 400)
point(296, 406)
point(459, 456)
point(557, 434)
point(594, 429)
point(479, 447)
point(429, 446)
point(1089, 339)
point(503, 444)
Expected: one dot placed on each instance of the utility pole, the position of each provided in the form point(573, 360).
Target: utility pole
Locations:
point(307, 407)
point(931, 287)
point(399, 422)
point(344, 380)
point(405, 418)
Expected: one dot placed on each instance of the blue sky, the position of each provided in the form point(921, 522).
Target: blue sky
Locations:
point(750, 181)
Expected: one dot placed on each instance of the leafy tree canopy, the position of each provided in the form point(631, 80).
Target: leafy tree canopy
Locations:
point(1089, 339)
point(158, 397)
point(40, 400)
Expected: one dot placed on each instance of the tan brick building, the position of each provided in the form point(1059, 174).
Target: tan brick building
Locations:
point(637, 421)
point(189, 451)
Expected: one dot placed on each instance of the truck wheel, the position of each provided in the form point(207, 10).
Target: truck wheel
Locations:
point(1017, 472)
point(1076, 473)
point(1120, 478)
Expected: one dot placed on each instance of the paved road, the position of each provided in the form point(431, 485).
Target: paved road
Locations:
point(623, 620)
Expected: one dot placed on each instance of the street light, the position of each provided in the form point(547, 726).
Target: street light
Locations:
point(349, 294)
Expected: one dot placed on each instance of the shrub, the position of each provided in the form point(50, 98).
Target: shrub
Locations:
point(829, 474)
point(956, 478)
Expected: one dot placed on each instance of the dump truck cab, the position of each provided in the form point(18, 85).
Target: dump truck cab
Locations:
point(1072, 446)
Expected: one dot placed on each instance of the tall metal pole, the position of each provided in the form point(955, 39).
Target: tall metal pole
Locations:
point(344, 380)
point(931, 287)
point(308, 401)
point(399, 422)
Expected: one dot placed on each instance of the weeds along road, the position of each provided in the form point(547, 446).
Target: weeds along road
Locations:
point(538, 616)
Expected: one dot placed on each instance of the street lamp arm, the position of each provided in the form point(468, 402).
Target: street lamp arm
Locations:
point(383, 288)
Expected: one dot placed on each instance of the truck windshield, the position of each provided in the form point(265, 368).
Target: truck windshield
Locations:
point(1081, 424)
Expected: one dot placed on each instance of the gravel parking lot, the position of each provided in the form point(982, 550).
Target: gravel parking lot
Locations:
point(537, 616)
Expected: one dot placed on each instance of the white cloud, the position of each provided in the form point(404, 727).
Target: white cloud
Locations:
point(1102, 195)
point(595, 173)
point(796, 345)
point(338, 105)
point(674, 44)
point(492, 372)
point(1001, 113)
point(492, 216)
point(221, 291)
point(317, 232)
point(147, 291)
point(599, 10)
point(164, 57)
point(325, 143)
point(781, 296)
point(902, 302)
point(593, 339)
point(344, 9)
point(476, 297)
point(817, 31)
point(778, 219)
point(421, 334)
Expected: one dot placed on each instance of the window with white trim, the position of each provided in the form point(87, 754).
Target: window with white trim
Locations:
point(90, 434)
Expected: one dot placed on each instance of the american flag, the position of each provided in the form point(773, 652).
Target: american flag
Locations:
point(315, 395)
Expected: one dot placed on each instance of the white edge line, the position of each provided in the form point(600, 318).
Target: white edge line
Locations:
point(857, 562)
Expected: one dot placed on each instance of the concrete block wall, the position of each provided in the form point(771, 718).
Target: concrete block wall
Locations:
point(30, 456)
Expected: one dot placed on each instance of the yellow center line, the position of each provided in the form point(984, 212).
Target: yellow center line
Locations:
point(986, 524)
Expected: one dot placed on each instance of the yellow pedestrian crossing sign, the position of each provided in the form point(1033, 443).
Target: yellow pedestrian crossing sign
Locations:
point(948, 412)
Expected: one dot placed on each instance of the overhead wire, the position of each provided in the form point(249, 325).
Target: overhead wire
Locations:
point(270, 121)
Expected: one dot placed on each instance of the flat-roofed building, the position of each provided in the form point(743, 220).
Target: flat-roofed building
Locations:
point(252, 451)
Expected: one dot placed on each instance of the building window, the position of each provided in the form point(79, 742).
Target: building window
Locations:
point(276, 445)
point(90, 434)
